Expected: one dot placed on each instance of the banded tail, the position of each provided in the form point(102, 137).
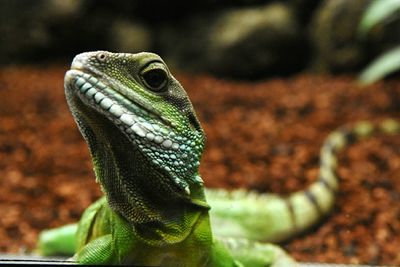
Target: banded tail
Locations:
point(274, 218)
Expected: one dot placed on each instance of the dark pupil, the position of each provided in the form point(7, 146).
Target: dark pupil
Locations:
point(155, 78)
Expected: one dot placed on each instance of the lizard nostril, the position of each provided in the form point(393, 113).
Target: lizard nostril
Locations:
point(101, 56)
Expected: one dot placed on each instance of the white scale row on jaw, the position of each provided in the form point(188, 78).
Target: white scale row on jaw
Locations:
point(142, 129)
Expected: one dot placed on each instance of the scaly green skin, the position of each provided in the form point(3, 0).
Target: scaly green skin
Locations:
point(146, 143)
point(155, 210)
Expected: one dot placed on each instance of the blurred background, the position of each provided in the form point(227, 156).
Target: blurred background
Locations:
point(269, 81)
point(241, 39)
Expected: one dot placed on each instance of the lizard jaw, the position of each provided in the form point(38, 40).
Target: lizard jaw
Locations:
point(110, 103)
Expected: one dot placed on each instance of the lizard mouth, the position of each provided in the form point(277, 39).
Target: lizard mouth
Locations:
point(133, 120)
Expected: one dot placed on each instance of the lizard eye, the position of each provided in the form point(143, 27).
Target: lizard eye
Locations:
point(155, 77)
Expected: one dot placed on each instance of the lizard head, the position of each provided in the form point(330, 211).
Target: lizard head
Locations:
point(142, 131)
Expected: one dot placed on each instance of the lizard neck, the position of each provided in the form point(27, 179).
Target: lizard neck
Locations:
point(141, 194)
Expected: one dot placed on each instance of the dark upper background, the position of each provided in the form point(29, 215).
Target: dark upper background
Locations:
point(241, 39)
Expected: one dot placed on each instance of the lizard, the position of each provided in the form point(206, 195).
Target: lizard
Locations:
point(146, 144)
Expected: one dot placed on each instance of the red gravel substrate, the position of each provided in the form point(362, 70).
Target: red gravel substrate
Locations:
point(264, 136)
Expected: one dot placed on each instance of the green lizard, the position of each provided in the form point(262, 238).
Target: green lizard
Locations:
point(146, 143)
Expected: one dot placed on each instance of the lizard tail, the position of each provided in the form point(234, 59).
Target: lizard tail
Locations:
point(274, 218)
